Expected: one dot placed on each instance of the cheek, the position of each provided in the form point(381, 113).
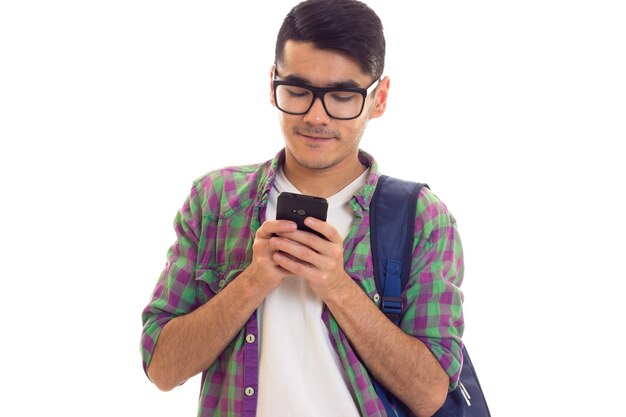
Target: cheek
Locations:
point(286, 123)
point(355, 130)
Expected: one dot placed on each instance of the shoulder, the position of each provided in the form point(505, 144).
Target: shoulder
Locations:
point(229, 188)
point(431, 214)
point(230, 178)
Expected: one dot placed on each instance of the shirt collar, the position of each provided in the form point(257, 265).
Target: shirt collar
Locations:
point(363, 196)
point(268, 177)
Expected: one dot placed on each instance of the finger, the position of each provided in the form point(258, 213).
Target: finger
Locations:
point(302, 237)
point(273, 227)
point(295, 249)
point(326, 229)
point(311, 240)
point(297, 268)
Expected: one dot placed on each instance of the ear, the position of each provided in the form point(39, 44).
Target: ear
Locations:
point(380, 100)
point(272, 100)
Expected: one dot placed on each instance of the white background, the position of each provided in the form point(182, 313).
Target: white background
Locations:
point(513, 112)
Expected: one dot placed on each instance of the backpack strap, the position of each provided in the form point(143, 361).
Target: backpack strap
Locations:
point(392, 218)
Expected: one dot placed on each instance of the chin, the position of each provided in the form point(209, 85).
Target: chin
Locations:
point(315, 163)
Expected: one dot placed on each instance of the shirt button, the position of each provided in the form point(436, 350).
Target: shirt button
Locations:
point(249, 391)
point(376, 298)
point(250, 338)
point(222, 283)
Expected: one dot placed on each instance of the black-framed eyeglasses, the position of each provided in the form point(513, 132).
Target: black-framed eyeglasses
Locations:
point(342, 103)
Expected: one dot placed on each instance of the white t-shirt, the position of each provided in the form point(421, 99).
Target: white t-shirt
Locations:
point(299, 372)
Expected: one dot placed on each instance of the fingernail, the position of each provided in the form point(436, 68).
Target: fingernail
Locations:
point(309, 221)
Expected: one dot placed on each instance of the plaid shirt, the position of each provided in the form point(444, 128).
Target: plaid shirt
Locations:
point(215, 230)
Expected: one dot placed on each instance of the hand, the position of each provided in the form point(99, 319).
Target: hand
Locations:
point(318, 260)
point(263, 269)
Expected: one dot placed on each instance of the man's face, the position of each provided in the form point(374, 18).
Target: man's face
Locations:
point(315, 140)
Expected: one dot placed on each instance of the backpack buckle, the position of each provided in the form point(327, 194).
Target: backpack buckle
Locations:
point(392, 307)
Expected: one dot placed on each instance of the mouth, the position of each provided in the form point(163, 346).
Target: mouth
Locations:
point(316, 136)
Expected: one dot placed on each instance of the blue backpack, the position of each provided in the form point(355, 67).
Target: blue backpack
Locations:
point(392, 215)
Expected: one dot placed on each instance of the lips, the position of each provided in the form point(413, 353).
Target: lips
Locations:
point(316, 135)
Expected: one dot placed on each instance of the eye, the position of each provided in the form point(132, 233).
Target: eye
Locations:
point(343, 96)
point(296, 92)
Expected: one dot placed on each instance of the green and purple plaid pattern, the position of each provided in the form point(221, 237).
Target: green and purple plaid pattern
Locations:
point(215, 230)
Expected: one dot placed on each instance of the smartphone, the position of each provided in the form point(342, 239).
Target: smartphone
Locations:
point(297, 207)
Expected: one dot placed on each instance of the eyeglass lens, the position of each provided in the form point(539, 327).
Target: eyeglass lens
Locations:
point(339, 104)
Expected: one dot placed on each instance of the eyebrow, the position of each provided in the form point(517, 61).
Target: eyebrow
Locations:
point(341, 84)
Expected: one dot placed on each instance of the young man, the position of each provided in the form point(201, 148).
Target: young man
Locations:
point(282, 322)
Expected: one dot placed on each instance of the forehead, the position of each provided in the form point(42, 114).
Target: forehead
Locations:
point(320, 66)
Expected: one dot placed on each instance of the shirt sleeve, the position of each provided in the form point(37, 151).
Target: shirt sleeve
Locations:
point(175, 291)
point(433, 298)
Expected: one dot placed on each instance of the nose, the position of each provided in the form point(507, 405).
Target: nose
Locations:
point(317, 114)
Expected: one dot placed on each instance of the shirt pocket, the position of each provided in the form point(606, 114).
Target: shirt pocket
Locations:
point(211, 280)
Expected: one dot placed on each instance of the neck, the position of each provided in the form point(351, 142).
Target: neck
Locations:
point(322, 182)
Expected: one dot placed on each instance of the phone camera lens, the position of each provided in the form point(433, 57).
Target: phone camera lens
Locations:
point(301, 212)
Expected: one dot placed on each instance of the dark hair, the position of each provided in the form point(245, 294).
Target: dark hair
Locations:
point(344, 25)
